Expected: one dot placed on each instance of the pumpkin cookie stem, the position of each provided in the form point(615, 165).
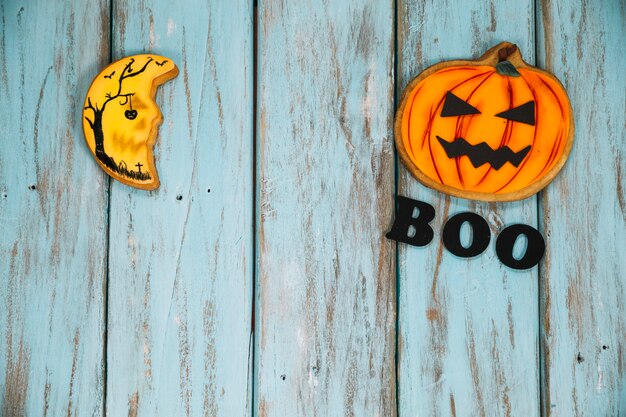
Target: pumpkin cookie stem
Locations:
point(505, 52)
point(504, 66)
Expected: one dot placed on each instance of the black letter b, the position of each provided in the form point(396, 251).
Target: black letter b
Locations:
point(410, 227)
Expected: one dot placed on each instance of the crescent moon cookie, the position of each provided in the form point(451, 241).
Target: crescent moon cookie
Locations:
point(121, 117)
point(494, 129)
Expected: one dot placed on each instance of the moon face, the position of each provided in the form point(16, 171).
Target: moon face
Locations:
point(121, 117)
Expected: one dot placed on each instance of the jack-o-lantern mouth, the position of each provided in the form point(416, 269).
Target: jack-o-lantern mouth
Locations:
point(482, 153)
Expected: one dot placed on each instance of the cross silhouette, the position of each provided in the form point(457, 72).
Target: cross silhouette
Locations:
point(139, 166)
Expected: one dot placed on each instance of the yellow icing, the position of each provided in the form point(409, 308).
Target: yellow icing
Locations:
point(122, 97)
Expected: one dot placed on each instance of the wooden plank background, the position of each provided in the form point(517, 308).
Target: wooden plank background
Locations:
point(53, 206)
point(180, 258)
point(583, 216)
point(326, 274)
point(467, 334)
point(256, 281)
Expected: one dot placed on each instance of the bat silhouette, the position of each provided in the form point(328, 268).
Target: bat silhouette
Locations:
point(110, 75)
point(160, 64)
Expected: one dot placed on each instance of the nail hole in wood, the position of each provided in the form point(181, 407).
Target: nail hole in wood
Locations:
point(208, 191)
point(179, 197)
point(283, 377)
point(604, 347)
point(32, 187)
point(579, 358)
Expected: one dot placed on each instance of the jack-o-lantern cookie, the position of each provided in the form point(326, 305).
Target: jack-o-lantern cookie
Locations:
point(494, 129)
point(121, 117)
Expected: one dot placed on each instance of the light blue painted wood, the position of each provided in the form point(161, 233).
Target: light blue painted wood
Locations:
point(468, 329)
point(180, 285)
point(583, 215)
point(52, 211)
point(326, 287)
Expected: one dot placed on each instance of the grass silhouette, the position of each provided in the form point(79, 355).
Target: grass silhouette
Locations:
point(121, 168)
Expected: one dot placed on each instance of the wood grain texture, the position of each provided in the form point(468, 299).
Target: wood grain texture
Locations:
point(179, 339)
point(180, 284)
point(583, 278)
point(468, 329)
point(53, 201)
point(326, 278)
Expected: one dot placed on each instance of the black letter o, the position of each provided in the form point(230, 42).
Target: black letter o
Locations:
point(534, 251)
point(480, 235)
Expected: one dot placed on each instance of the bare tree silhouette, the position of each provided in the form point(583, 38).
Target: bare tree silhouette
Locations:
point(96, 123)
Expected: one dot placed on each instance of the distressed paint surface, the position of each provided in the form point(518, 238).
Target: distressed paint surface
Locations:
point(53, 201)
point(468, 329)
point(326, 274)
point(180, 283)
point(583, 278)
point(177, 334)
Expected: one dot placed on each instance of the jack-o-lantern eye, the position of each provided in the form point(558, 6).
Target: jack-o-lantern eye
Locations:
point(523, 114)
point(454, 106)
